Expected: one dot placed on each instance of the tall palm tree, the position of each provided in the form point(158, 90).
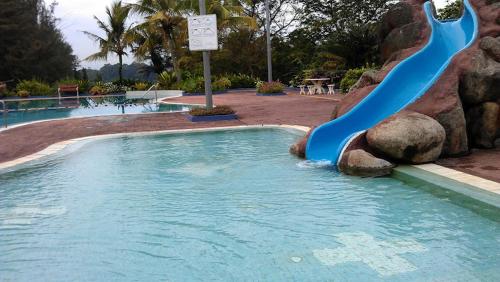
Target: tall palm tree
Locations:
point(167, 17)
point(114, 42)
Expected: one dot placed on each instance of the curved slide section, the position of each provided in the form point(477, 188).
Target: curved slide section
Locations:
point(408, 81)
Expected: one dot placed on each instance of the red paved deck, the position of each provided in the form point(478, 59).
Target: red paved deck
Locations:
point(482, 163)
point(252, 110)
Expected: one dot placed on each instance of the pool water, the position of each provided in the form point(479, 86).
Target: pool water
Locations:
point(35, 110)
point(231, 206)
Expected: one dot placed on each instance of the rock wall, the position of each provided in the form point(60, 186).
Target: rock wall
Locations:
point(464, 101)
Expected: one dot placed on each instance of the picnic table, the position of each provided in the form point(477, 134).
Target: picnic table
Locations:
point(317, 85)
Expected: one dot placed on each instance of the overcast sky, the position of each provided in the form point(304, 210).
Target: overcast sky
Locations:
point(77, 16)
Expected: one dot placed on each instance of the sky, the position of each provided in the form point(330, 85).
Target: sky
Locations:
point(77, 16)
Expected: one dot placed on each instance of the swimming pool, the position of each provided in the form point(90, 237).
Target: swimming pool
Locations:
point(35, 110)
point(231, 206)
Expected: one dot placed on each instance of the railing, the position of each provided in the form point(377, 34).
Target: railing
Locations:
point(4, 113)
point(155, 86)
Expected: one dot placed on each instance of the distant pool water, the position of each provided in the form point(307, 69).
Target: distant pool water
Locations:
point(34, 110)
point(231, 206)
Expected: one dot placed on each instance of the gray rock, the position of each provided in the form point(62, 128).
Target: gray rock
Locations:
point(482, 122)
point(362, 163)
point(453, 122)
point(409, 137)
point(491, 46)
point(368, 78)
point(401, 38)
point(481, 82)
point(399, 15)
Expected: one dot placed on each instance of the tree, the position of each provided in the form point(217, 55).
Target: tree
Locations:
point(115, 40)
point(452, 10)
point(166, 19)
point(31, 45)
point(85, 76)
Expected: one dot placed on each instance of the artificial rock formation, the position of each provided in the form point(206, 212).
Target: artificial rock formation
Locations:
point(408, 137)
point(463, 99)
point(361, 163)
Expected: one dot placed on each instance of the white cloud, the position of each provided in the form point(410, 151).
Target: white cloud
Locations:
point(77, 16)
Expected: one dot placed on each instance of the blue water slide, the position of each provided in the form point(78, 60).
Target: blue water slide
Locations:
point(408, 81)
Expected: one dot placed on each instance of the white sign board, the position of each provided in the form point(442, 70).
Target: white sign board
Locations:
point(203, 33)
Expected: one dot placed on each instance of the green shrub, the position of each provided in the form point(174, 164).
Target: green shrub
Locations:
point(242, 81)
point(98, 89)
point(166, 80)
point(23, 93)
point(221, 84)
point(197, 84)
point(219, 110)
point(270, 87)
point(35, 88)
point(350, 78)
point(141, 86)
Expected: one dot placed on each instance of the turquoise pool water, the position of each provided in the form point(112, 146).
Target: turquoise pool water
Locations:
point(34, 110)
point(231, 206)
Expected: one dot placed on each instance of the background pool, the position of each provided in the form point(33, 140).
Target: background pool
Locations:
point(34, 110)
point(232, 206)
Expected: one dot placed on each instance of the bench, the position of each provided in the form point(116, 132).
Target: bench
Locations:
point(71, 88)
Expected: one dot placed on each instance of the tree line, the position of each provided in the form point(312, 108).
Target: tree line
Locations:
point(310, 37)
point(31, 45)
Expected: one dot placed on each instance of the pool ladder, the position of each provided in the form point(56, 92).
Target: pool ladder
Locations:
point(4, 113)
point(155, 86)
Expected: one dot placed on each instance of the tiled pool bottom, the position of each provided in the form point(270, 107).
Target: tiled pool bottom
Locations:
point(230, 206)
point(35, 110)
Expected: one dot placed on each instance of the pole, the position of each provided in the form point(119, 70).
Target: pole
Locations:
point(269, 50)
point(206, 67)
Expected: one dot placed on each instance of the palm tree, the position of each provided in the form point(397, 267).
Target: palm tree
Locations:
point(167, 17)
point(114, 42)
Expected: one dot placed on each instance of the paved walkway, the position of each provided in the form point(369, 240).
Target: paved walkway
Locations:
point(252, 110)
point(482, 163)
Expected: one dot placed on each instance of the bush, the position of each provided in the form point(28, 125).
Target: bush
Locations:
point(350, 78)
point(221, 84)
point(270, 87)
point(141, 86)
point(35, 88)
point(3, 90)
point(242, 81)
point(98, 89)
point(106, 88)
point(23, 93)
point(197, 84)
point(219, 110)
point(166, 80)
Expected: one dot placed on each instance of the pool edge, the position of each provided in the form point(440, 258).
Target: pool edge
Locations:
point(57, 147)
point(472, 186)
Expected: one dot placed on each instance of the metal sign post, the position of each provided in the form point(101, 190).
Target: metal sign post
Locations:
point(203, 37)
point(269, 50)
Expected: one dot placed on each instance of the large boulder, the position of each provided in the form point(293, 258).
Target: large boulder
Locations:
point(299, 148)
point(454, 123)
point(482, 121)
point(491, 46)
point(361, 163)
point(408, 137)
point(369, 77)
point(401, 38)
point(481, 81)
